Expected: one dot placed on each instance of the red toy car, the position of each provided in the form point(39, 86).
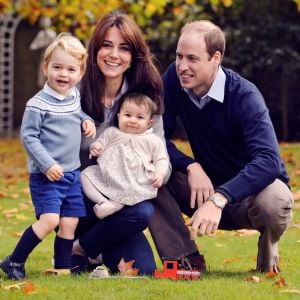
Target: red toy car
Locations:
point(172, 270)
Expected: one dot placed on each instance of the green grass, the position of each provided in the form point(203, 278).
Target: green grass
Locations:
point(223, 281)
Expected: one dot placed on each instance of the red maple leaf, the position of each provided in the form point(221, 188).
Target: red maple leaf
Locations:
point(126, 268)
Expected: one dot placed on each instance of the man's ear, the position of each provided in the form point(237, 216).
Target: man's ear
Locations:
point(217, 57)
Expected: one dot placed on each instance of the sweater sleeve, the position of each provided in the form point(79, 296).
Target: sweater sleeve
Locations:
point(30, 136)
point(158, 130)
point(161, 159)
point(178, 159)
point(264, 162)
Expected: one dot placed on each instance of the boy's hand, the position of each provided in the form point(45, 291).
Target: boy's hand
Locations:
point(157, 179)
point(55, 172)
point(89, 129)
point(96, 149)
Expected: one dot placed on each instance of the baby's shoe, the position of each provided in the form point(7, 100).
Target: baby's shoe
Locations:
point(99, 272)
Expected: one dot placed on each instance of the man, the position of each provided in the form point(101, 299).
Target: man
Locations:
point(237, 178)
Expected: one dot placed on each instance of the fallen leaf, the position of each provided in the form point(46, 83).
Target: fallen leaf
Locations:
point(297, 193)
point(16, 233)
point(126, 269)
point(15, 196)
point(245, 232)
point(20, 217)
point(290, 291)
point(3, 194)
point(29, 288)
point(16, 286)
point(24, 206)
point(230, 260)
point(57, 272)
point(255, 279)
point(9, 213)
point(271, 274)
point(280, 282)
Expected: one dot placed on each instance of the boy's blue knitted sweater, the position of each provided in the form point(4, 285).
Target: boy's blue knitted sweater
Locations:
point(51, 131)
point(234, 141)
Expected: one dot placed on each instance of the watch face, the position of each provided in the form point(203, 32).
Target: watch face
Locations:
point(217, 201)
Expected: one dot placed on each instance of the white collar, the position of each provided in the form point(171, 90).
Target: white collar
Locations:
point(217, 89)
point(52, 92)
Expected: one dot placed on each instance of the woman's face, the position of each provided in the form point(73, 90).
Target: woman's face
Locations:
point(114, 56)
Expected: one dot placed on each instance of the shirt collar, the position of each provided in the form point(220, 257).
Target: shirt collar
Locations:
point(216, 90)
point(50, 91)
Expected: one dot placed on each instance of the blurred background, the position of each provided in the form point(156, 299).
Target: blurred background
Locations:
point(263, 45)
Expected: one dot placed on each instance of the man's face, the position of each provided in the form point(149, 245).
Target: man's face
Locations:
point(195, 68)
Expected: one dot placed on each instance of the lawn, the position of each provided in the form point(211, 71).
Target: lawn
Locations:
point(230, 255)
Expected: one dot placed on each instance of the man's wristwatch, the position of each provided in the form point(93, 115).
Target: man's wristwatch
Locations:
point(217, 200)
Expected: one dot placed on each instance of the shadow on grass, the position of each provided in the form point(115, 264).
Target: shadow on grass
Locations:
point(230, 274)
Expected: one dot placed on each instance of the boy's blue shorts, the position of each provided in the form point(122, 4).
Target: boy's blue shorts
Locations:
point(63, 197)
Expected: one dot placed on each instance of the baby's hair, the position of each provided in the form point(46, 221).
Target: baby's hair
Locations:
point(71, 45)
point(139, 99)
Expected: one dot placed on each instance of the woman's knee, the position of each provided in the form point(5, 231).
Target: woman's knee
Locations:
point(143, 211)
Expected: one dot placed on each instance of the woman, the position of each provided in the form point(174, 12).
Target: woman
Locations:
point(119, 61)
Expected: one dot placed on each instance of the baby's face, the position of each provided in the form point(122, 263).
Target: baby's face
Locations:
point(134, 119)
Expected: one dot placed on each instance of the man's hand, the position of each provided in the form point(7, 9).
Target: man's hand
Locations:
point(206, 218)
point(200, 184)
point(89, 129)
point(96, 149)
point(157, 179)
point(55, 172)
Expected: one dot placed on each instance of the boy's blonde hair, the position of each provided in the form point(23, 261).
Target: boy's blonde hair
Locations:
point(71, 45)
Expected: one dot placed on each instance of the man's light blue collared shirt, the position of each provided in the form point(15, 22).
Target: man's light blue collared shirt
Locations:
point(216, 91)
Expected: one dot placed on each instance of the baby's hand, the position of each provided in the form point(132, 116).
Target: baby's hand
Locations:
point(55, 172)
point(89, 129)
point(157, 179)
point(96, 149)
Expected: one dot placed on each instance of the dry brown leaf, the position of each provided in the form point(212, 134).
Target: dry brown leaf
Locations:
point(3, 194)
point(24, 205)
point(126, 268)
point(245, 232)
point(16, 234)
point(20, 217)
point(230, 260)
point(29, 288)
point(271, 274)
point(16, 286)
point(57, 272)
point(10, 211)
point(290, 291)
point(280, 282)
point(297, 194)
point(254, 279)
point(14, 196)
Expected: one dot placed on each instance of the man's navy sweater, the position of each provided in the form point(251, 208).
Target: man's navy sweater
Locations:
point(233, 141)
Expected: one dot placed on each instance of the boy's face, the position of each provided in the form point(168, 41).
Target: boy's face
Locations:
point(133, 118)
point(63, 71)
